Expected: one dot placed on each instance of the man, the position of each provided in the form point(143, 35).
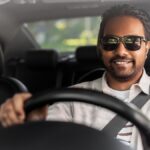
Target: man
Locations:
point(123, 43)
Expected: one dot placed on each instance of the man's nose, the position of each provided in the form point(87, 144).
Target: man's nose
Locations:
point(121, 50)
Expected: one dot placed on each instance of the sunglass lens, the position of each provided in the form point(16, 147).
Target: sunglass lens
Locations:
point(133, 43)
point(109, 43)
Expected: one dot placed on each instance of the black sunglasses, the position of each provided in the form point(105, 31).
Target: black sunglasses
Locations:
point(131, 42)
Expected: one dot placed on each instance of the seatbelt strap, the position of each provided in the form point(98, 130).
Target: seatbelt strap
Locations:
point(117, 123)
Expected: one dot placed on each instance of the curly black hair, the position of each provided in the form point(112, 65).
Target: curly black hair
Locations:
point(125, 10)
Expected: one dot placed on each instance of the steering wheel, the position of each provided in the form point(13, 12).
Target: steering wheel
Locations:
point(56, 135)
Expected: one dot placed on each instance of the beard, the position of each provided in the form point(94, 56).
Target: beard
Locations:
point(123, 73)
point(122, 77)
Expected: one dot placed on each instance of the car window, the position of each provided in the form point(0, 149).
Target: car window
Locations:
point(65, 34)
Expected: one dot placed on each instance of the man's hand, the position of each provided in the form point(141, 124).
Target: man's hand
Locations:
point(12, 111)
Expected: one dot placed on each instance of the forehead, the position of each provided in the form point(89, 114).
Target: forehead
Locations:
point(124, 25)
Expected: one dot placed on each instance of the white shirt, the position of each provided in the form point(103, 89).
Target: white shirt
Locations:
point(99, 117)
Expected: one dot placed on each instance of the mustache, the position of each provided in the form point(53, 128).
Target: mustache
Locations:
point(123, 58)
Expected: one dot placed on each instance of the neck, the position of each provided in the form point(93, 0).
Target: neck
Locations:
point(122, 85)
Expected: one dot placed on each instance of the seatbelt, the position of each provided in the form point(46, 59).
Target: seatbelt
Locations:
point(117, 123)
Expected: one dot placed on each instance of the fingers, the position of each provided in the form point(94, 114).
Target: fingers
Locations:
point(12, 111)
point(7, 114)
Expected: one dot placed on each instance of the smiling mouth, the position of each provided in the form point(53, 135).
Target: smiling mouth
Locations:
point(122, 61)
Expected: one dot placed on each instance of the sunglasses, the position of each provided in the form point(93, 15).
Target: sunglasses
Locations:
point(131, 42)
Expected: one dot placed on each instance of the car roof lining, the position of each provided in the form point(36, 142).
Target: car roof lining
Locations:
point(56, 10)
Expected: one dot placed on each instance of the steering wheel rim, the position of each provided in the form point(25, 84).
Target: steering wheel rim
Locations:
point(22, 136)
point(126, 110)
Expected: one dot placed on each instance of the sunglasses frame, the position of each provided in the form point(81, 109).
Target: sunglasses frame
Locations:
point(122, 39)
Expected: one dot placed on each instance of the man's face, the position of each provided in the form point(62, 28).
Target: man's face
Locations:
point(121, 63)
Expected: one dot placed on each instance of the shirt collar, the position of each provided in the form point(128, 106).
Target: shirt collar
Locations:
point(143, 84)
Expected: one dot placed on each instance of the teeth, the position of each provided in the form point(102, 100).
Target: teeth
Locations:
point(121, 62)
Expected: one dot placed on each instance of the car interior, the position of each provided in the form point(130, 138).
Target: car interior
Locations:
point(26, 65)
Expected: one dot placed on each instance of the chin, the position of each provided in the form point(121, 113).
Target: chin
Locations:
point(122, 77)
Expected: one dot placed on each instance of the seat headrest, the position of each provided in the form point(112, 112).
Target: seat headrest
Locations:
point(87, 54)
point(42, 58)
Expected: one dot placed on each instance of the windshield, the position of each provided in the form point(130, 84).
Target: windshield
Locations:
point(65, 34)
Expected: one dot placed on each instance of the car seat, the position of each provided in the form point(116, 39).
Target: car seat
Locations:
point(89, 60)
point(38, 70)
